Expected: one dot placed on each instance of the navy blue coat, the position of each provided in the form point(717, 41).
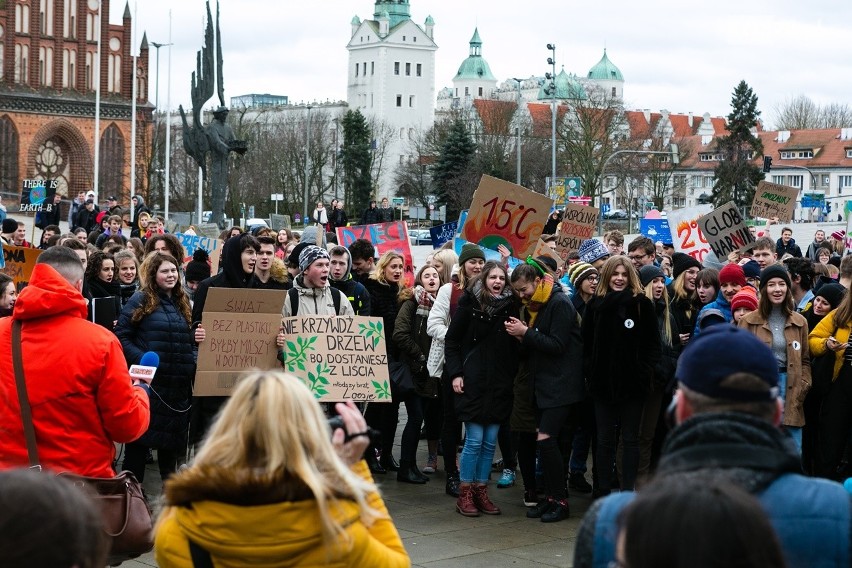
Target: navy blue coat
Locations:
point(166, 333)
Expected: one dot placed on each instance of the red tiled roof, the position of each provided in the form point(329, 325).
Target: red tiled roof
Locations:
point(496, 116)
point(829, 150)
point(542, 117)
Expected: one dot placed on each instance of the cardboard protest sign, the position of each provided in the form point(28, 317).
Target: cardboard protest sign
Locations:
point(338, 358)
point(725, 230)
point(579, 223)
point(19, 264)
point(215, 254)
point(278, 222)
point(210, 230)
point(443, 233)
point(194, 242)
point(241, 326)
point(686, 233)
point(774, 200)
point(544, 249)
point(385, 237)
point(503, 213)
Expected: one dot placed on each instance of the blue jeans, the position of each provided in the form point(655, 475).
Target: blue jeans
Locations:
point(794, 431)
point(480, 440)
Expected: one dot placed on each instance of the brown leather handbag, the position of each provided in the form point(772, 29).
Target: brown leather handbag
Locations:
point(124, 511)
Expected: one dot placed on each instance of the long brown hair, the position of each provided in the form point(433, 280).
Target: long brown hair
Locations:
point(843, 313)
point(764, 304)
point(148, 286)
point(608, 269)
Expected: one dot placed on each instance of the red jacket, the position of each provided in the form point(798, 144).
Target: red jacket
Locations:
point(81, 394)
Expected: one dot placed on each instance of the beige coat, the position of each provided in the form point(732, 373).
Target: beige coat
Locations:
point(798, 360)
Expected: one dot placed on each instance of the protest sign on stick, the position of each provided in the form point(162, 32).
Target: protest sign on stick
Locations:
point(579, 223)
point(443, 233)
point(385, 237)
point(338, 357)
point(774, 200)
point(503, 213)
point(241, 327)
point(544, 249)
point(725, 230)
point(19, 264)
point(686, 233)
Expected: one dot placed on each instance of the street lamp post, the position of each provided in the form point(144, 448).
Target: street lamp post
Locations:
point(155, 143)
point(518, 131)
point(552, 77)
point(673, 152)
point(307, 163)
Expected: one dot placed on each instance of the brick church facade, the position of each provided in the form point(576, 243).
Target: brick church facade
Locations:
point(48, 51)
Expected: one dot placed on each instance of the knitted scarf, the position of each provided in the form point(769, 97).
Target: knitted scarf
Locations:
point(540, 297)
point(424, 300)
point(491, 304)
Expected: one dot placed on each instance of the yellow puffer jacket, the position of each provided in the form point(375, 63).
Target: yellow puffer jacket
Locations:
point(286, 533)
point(821, 333)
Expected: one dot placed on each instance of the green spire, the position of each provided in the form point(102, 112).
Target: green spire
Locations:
point(604, 70)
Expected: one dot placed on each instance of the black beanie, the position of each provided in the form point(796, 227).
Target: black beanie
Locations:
point(774, 271)
point(833, 294)
point(198, 269)
point(681, 262)
point(9, 226)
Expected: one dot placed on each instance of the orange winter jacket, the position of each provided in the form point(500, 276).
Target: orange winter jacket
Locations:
point(79, 389)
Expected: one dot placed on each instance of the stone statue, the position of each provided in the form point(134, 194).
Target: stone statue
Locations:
point(218, 137)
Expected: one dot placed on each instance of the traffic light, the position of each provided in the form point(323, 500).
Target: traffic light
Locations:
point(767, 164)
point(828, 207)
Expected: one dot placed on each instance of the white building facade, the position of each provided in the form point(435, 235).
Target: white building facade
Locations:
point(391, 80)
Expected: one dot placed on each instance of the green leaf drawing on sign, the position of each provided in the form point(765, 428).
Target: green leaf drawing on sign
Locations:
point(382, 390)
point(297, 352)
point(316, 382)
point(371, 330)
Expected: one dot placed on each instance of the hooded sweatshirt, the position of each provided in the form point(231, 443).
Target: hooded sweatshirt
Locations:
point(139, 208)
point(354, 291)
point(80, 408)
point(231, 276)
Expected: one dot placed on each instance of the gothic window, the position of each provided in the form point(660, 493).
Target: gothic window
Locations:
point(69, 68)
point(45, 66)
point(69, 19)
point(112, 161)
point(45, 15)
point(52, 163)
point(8, 157)
point(22, 63)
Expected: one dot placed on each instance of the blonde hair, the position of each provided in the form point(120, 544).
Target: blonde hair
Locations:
point(378, 272)
point(666, 330)
point(273, 431)
point(448, 258)
point(608, 269)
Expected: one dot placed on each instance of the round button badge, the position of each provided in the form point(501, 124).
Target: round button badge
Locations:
point(628, 323)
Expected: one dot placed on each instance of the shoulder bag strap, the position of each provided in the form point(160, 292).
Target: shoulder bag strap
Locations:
point(23, 399)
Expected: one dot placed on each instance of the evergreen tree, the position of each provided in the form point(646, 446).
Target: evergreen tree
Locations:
point(738, 174)
point(356, 161)
point(450, 172)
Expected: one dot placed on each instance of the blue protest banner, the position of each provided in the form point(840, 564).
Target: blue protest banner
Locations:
point(656, 230)
point(442, 233)
point(193, 242)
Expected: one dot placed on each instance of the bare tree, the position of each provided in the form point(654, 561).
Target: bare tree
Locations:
point(592, 131)
point(800, 112)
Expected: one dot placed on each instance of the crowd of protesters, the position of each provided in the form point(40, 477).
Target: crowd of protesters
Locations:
point(552, 362)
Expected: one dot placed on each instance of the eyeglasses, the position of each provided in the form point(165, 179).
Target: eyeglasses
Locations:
point(637, 256)
point(594, 278)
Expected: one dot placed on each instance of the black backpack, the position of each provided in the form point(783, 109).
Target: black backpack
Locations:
point(293, 294)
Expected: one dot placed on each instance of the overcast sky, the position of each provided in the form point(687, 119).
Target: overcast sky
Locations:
point(678, 55)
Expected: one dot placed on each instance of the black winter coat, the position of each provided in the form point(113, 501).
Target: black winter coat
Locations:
point(166, 333)
point(684, 311)
point(621, 346)
point(384, 304)
point(414, 344)
point(665, 369)
point(479, 350)
point(371, 216)
point(554, 353)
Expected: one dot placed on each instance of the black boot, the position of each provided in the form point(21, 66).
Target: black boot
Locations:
point(558, 511)
point(408, 473)
point(452, 487)
point(373, 462)
point(387, 461)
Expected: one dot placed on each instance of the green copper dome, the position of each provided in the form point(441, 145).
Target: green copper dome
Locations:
point(356, 21)
point(605, 70)
point(567, 88)
point(397, 10)
point(430, 21)
point(475, 67)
